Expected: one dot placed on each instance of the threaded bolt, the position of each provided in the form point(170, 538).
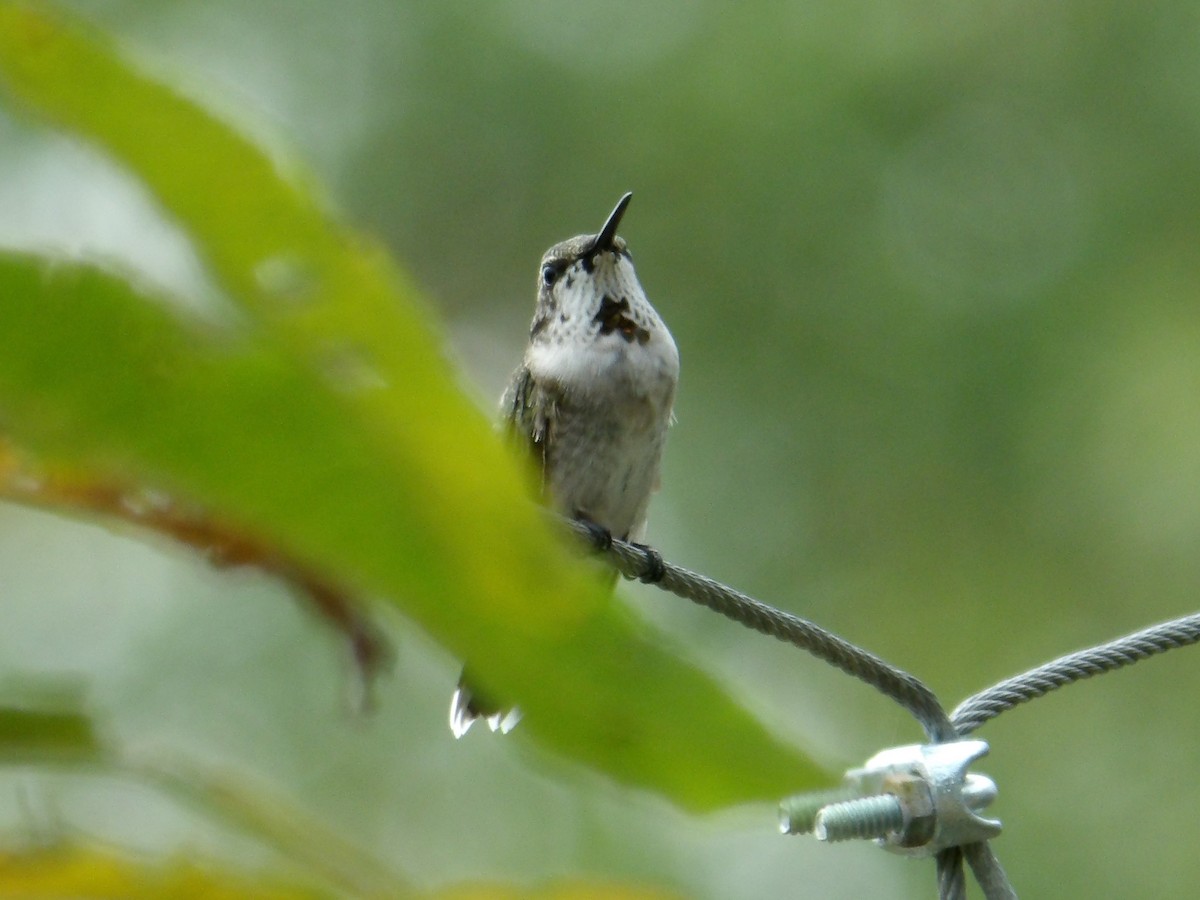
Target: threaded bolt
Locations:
point(864, 818)
point(797, 814)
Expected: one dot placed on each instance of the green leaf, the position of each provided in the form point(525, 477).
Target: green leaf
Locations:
point(331, 425)
point(34, 736)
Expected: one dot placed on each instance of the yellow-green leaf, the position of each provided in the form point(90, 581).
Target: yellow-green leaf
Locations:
point(391, 482)
point(95, 874)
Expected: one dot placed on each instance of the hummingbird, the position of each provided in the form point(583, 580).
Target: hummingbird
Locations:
point(591, 400)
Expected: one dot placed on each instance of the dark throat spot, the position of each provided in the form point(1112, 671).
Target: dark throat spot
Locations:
point(614, 316)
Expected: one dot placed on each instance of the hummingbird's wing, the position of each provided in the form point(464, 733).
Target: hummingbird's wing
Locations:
point(526, 408)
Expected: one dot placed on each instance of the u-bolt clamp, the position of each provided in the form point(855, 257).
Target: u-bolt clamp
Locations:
point(915, 800)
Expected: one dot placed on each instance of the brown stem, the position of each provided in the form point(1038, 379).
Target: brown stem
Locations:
point(220, 543)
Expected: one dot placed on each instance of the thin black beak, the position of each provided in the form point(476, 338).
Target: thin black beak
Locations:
point(604, 240)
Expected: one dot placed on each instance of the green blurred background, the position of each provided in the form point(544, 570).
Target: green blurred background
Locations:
point(933, 273)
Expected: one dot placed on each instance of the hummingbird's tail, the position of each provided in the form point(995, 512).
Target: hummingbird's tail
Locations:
point(466, 709)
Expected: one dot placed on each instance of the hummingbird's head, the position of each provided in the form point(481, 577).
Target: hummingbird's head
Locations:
point(587, 289)
point(593, 325)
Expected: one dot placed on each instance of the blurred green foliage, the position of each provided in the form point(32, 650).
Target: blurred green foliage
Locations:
point(325, 421)
point(931, 268)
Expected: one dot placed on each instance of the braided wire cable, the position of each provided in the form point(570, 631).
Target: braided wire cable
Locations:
point(988, 872)
point(952, 883)
point(1108, 657)
point(644, 563)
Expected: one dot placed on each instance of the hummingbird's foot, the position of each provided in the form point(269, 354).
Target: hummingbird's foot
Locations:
point(600, 536)
point(655, 568)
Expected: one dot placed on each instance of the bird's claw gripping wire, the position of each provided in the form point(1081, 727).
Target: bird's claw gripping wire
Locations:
point(599, 536)
point(656, 569)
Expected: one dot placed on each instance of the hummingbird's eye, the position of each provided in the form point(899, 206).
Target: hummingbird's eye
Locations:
point(549, 275)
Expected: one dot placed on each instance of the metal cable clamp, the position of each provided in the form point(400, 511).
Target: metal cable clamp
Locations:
point(914, 800)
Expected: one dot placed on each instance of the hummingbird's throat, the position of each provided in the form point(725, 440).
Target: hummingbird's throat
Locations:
point(613, 316)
